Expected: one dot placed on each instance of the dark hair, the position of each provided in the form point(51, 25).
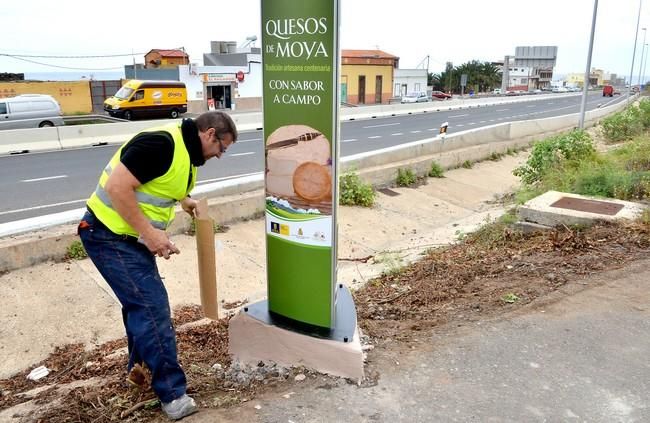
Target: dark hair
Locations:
point(220, 121)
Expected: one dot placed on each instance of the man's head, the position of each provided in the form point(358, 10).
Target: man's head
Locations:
point(217, 132)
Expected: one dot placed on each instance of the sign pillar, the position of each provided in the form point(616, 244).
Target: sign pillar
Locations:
point(300, 62)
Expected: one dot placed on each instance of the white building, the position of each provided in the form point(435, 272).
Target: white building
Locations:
point(408, 81)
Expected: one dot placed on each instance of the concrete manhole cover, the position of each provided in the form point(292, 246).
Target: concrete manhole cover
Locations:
point(389, 192)
point(589, 206)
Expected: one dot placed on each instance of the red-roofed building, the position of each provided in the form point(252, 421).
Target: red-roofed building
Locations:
point(161, 58)
point(367, 76)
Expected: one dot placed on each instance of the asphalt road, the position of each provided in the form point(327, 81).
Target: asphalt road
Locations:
point(38, 184)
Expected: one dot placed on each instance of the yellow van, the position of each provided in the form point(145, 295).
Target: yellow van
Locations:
point(148, 99)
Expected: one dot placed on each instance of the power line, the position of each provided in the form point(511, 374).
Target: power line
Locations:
point(56, 66)
point(68, 57)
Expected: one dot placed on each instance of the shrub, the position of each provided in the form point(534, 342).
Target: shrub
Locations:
point(623, 125)
point(467, 164)
point(76, 251)
point(354, 192)
point(644, 113)
point(553, 151)
point(436, 171)
point(405, 177)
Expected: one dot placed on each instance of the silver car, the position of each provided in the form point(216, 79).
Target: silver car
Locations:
point(30, 111)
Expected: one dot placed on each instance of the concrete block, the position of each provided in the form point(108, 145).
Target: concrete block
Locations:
point(540, 210)
point(530, 227)
point(252, 341)
point(36, 139)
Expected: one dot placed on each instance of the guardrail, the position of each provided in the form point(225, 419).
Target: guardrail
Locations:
point(61, 137)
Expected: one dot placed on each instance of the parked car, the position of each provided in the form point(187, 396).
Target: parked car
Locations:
point(30, 111)
point(496, 91)
point(440, 95)
point(420, 97)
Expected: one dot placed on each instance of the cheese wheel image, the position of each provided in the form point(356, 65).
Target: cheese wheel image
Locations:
point(311, 181)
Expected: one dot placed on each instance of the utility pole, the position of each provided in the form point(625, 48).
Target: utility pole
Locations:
point(585, 85)
point(636, 33)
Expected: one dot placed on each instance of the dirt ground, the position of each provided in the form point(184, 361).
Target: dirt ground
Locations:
point(491, 272)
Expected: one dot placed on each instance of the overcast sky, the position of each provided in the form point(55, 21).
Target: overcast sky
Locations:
point(450, 30)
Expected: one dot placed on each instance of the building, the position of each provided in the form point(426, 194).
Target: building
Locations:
point(159, 58)
point(530, 69)
point(367, 76)
point(230, 78)
point(407, 81)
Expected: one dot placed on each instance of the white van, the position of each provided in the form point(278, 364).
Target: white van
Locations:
point(29, 111)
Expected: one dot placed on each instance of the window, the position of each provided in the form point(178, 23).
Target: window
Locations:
point(20, 106)
point(417, 87)
point(396, 93)
point(3, 108)
point(139, 95)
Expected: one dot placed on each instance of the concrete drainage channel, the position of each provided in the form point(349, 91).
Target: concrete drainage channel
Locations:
point(243, 198)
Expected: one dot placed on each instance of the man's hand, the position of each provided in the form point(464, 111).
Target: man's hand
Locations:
point(189, 206)
point(159, 243)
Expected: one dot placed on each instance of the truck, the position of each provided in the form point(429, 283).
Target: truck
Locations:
point(139, 98)
point(608, 91)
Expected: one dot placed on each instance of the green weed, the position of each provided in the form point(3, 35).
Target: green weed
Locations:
point(466, 164)
point(354, 192)
point(405, 177)
point(76, 251)
point(436, 171)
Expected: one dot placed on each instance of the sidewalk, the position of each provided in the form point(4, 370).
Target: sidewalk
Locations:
point(54, 304)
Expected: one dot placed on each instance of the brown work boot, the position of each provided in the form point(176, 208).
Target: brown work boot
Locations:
point(138, 377)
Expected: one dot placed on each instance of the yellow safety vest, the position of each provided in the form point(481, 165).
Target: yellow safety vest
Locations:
point(157, 197)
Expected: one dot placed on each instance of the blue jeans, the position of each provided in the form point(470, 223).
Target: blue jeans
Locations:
point(130, 270)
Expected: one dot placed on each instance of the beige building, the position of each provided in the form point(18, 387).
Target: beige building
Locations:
point(367, 76)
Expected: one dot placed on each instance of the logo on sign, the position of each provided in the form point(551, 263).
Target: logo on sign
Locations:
point(275, 227)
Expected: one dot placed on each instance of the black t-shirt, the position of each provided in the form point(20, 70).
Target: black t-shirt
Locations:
point(150, 154)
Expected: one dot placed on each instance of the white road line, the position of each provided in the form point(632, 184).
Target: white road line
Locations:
point(224, 178)
point(491, 120)
point(472, 123)
point(350, 140)
point(379, 126)
point(415, 132)
point(65, 203)
point(242, 154)
point(482, 121)
point(374, 137)
point(460, 125)
point(455, 116)
point(432, 129)
point(253, 139)
point(502, 110)
point(397, 134)
point(531, 106)
point(47, 178)
point(550, 103)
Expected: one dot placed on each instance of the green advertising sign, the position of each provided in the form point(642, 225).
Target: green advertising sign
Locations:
point(300, 59)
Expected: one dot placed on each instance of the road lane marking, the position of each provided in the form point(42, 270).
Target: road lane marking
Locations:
point(384, 124)
point(397, 134)
point(472, 123)
point(415, 132)
point(531, 106)
point(502, 110)
point(65, 203)
point(47, 178)
point(482, 121)
point(455, 116)
point(460, 125)
point(374, 137)
point(225, 178)
point(242, 154)
point(350, 140)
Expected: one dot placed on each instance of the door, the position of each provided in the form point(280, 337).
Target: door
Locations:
point(378, 87)
point(362, 90)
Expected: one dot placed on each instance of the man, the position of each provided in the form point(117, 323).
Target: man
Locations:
point(124, 229)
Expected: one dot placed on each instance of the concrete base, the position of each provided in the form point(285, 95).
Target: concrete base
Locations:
point(253, 340)
point(539, 210)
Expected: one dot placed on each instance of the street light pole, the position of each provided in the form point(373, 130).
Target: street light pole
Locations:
point(642, 52)
point(636, 33)
point(644, 66)
point(585, 85)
